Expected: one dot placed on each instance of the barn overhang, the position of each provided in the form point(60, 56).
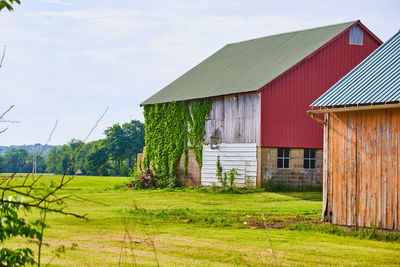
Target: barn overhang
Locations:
point(354, 108)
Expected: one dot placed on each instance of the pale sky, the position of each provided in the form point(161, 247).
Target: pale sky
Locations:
point(68, 60)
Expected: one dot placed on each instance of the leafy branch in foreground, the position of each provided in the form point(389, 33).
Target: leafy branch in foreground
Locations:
point(32, 194)
point(8, 4)
point(12, 225)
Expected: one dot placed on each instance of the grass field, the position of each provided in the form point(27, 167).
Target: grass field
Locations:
point(192, 228)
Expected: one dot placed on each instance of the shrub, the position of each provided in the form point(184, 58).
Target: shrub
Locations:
point(231, 177)
point(214, 187)
point(247, 182)
point(223, 179)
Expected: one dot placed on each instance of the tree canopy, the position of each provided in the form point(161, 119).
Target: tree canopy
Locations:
point(113, 155)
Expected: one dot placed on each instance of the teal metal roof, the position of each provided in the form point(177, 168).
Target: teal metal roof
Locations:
point(247, 66)
point(375, 80)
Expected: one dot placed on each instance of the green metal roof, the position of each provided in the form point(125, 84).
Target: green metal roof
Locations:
point(247, 66)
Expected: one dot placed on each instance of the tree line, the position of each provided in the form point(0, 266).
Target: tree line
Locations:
point(114, 155)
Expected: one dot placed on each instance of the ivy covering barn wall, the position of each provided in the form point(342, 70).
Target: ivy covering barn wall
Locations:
point(169, 127)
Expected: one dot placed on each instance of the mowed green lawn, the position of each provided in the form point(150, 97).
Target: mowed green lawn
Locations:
point(191, 228)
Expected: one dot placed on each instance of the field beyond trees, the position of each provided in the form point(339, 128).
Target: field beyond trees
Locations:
point(195, 228)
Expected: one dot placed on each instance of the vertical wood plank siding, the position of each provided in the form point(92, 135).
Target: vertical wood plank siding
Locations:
point(361, 176)
point(234, 119)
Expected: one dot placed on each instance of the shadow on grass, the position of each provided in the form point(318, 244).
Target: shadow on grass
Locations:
point(361, 233)
point(305, 195)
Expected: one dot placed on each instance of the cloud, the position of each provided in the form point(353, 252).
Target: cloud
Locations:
point(57, 2)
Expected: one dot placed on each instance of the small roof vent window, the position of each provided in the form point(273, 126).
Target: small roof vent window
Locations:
point(356, 35)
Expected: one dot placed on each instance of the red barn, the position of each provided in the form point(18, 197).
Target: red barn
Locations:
point(260, 91)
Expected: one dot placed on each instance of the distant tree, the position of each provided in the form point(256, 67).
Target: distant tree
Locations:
point(75, 144)
point(1, 163)
point(135, 132)
point(118, 144)
point(97, 159)
point(124, 142)
point(40, 164)
point(15, 161)
point(64, 157)
point(81, 158)
point(52, 160)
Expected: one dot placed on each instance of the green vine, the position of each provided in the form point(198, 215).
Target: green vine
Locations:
point(185, 162)
point(168, 129)
point(219, 169)
point(200, 111)
point(139, 164)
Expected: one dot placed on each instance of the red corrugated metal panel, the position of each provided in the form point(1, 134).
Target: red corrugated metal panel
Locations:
point(284, 121)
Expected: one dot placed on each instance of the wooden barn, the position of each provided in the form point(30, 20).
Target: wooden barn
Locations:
point(361, 178)
point(260, 91)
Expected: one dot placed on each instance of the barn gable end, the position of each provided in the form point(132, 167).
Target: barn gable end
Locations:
point(361, 180)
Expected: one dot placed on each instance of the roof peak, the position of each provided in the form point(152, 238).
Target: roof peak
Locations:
point(296, 31)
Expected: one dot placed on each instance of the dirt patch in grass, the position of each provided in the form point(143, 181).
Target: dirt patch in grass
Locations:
point(281, 222)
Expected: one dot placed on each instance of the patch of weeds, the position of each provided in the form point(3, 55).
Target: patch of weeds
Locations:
point(211, 218)
point(202, 190)
point(119, 186)
point(225, 190)
point(240, 190)
point(302, 226)
point(216, 218)
point(237, 190)
point(361, 233)
point(214, 188)
point(311, 212)
point(272, 185)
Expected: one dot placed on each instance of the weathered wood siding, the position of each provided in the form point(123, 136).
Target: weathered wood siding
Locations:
point(361, 181)
point(234, 119)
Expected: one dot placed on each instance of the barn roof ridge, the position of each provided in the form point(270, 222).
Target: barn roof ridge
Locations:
point(248, 66)
point(295, 31)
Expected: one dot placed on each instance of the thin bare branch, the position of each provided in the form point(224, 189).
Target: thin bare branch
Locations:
point(41, 197)
point(89, 200)
point(75, 154)
point(45, 145)
point(8, 121)
point(5, 112)
point(154, 249)
point(2, 58)
point(269, 238)
point(59, 211)
point(95, 125)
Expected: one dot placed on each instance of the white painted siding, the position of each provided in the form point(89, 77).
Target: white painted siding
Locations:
point(242, 156)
